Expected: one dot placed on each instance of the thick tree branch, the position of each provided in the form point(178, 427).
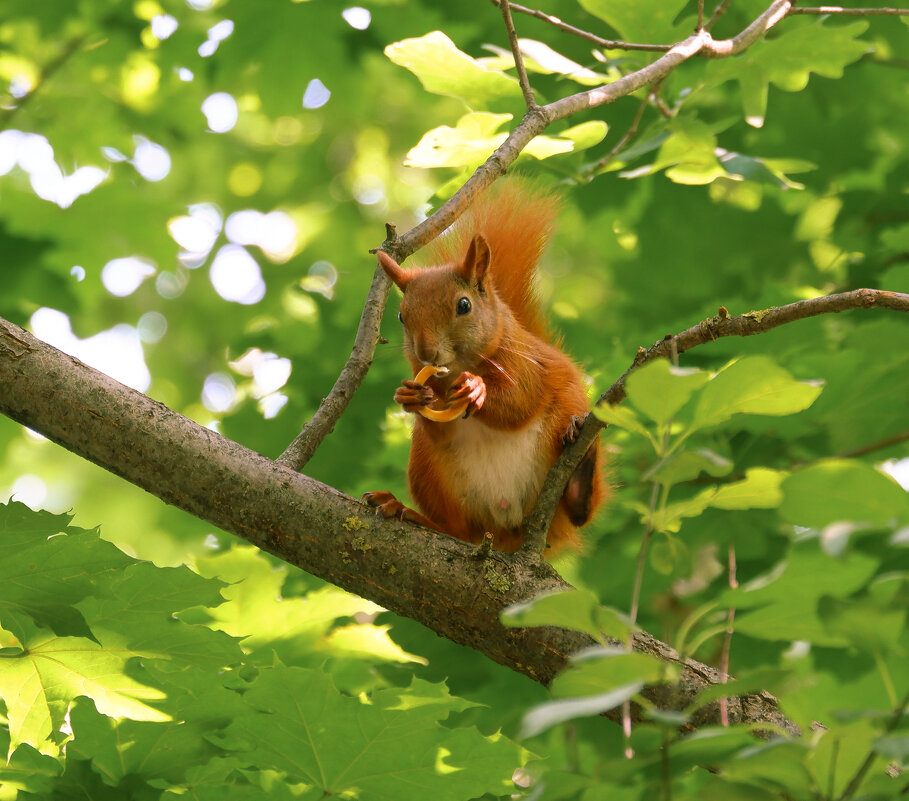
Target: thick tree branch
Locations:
point(432, 578)
point(753, 322)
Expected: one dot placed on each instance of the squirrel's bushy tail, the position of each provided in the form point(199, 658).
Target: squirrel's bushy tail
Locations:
point(516, 217)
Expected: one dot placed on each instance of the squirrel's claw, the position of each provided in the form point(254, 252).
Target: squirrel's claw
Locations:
point(472, 387)
point(384, 503)
point(413, 396)
point(573, 430)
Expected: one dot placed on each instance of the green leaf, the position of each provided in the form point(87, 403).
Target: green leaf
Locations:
point(864, 625)
point(659, 389)
point(127, 609)
point(467, 144)
point(669, 518)
point(689, 154)
point(44, 576)
point(200, 707)
point(763, 171)
point(787, 61)
point(26, 770)
point(753, 385)
point(840, 489)
point(623, 417)
point(392, 747)
point(598, 670)
point(540, 58)
point(40, 682)
point(584, 135)
point(303, 629)
point(547, 715)
point(444, 70)
point(648, 21)
point(759, 490)
point(893, 746)
point(784, 603)
point(573, 609)
point(477, 134)
point(687, 465)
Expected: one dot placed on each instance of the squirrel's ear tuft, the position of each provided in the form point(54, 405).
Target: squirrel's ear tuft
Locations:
point(393, 270)
point(476, 262)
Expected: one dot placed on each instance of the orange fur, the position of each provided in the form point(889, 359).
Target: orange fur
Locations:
point(483, 474)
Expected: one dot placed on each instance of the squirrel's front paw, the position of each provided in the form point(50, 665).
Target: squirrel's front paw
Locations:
point(472, 387)
point(413, 396)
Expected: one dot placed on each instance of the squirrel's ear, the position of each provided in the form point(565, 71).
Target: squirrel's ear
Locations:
point(393, 270)
point(476, 263)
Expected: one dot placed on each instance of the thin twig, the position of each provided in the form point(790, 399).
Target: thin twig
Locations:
point(639, 564)
point(875, 446)
point(727, 639)
point(626, 138)
point(321, 424)
point(700, 15)
point(529, 99)
point(717, 13)
point(606, 44)
point(851, 12)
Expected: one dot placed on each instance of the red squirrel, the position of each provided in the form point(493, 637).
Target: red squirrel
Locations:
point(477, 314)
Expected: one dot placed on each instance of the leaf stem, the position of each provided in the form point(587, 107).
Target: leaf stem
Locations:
point(727, 639)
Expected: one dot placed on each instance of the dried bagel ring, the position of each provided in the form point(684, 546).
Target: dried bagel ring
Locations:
point(453, 412)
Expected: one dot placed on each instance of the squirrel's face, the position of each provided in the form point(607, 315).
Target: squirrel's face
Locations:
point(451, 315)
point(449, 321)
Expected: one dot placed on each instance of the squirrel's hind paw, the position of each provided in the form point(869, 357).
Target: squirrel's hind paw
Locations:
point(384, 503)
point(573, 430)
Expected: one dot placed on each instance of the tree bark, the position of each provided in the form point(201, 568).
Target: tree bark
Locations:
point(443, 583)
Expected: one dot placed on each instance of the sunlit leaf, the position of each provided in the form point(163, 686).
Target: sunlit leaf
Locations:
point(443, 69)
point(547, 715)
point(759, 490)
point(754, 385)
point(27, 770)
point(598, 670)
point(659, 389)
point(540, 58)
point(573, 609)
point(39, 683)
point(623, 417)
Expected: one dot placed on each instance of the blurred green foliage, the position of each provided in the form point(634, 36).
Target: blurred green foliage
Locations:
point(756, 181)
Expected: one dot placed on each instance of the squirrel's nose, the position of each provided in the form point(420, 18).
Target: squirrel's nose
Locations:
point(428, 353)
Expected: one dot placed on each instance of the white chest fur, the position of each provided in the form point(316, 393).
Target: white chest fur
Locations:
point(496, 473)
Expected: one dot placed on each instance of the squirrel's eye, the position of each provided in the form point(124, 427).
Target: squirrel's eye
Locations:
point(400, 318)
point(463, 306)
